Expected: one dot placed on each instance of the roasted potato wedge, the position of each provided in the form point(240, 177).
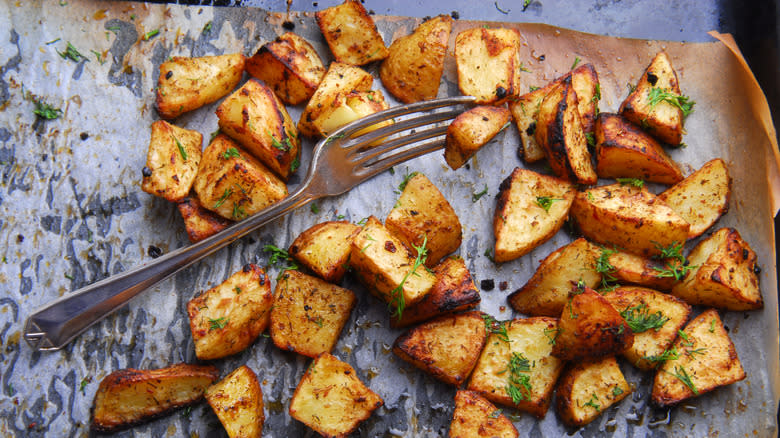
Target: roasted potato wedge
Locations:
point(530, 209)
point(172, 161)
point(474, 416)
point(589, 388)
point(701, 198)
point(488, 64)
point(346, 108)
point(189, 83)
point(199, 221)
point(585, 81)
point(351, 33)
point(471, 130)
point(238, 402)
point(634, 269)
point(547, 292)
point(625, 151)
point(706, 359)
point(229, 317)
point(423, 215)
point(128, 397)
point(232, 183)
point(324, 249)
point(414, 65)
point(723, 274)
point(524, 111)
point(331, 399)
point(289, 65)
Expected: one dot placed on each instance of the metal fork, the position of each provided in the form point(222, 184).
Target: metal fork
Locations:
point(339, 162)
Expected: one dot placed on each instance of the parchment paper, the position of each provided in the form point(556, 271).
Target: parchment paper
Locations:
point(72, 212)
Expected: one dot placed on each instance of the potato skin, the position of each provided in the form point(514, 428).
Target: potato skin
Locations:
point(238, 402)
point(524, 111)
point(472, 130)
point(488, 64)
point(172, 161)
point(324, 248)
point(585, 81)
point(351, 33)
point(199, 221)
point(634, 269)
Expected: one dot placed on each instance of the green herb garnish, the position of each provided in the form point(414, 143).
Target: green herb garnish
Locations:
point(546, 202)
point(518, 382)
point(658, 95)
point(72, 53)
point(590, 139)
point(635, 182)
point(576, 61)
point(314, 208)
point(556, 331)
point(151, 34)
point(207, 28)
point(605, 268)
point(46, 111)
point(495, 327)
point(230, 153)
point(616, 391)
point(406, 179)
point(218, 323)
point(640, 320)
point(501, 10)
point(592, 402)
point(224, 197)
point(476, 196)
point(664, 356)
point(397, 299)
point(684, 377)
point(182, 152)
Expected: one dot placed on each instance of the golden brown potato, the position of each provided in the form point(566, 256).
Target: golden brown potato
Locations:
point(547, 292)
point(232, 183)
point(625, 151)
point(723, 274)
point(289, 65)
point(423, 213)
point(351, 33)
point(631, 268)
point(238, 402)
point(585, 82)
point(172, 161)
point(189, 83)
point(560, 133)
point(454, 291)
point(471, 130)
point(706, 359)
point(590, 328)
point(200, 222)
point(524, 111)
point(530, 209)
point(254, 117)
point(346, 108)
point(229, 317)
point(588, 388)
point(331, 399)
point(520, 373)
point(474, 416)
point(308, 313)
point(446, 348)
point(488, 64)
point(128, 397)
point(653, 317)
point(412, 70)
point(628, 217)
point(324, 249)
point(702, 197)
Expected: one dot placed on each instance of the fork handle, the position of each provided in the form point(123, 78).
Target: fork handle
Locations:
point(53, 326)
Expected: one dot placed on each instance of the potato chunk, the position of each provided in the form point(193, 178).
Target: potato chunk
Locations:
point(289, 65)
point(238, 402)
point(128, 397)
point(724, 274)
point(488, 64)
point(172, 161)
point(706, 360)
point(189, 83)
point(413, 68)
point(472, 130)
point(530, 209)
point(200, 222)
point(324, 249)
point(346, 108)
point(254, 117)
point(474, 416)
point(351, 33)
point(331, 399)
point(585, 81)
point(308, 313)
point(634, 269)
point(229, 317)
point(422, 213)
point(234, 184)
point(587, 389)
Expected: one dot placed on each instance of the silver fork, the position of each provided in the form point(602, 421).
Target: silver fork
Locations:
point(339, 162)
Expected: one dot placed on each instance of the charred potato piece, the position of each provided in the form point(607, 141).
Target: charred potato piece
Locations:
point(324, 249)
point(723, 274)
point(547, 292)
point(472, 130)
point(413, 68)
point(625, 151)
point(238, 402)
point(474, 416)
point(351, 33)
point(524, 111)
point(530, 209)
point(254, 117)
point(585, 81)
point(701, 198)
point(706, 359)
point(631, 268)
point(446, 348)
point(290, 66)
point(346, 108)
point(128, 397)
point(331, 399)
point(422, 214)
point(229, 317)
point(172, 161)
point(628, 217)
point(232, 183)
point(308, 313)
point(199, 221)
point(189, 83)
point(488, 64)
point(587, 389)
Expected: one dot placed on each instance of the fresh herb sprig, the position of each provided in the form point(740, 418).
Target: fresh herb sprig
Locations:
point(46, 111)
point(669, 354)
point(477, 196)
point(605, 268)
point(495, 327)
point(640, 320)
point(218, 323)
point(546, 202)
point(397, 300)
point(635, 182)
point(72, 53)
point(518, 384)
point(684, 377)
point(658, 95)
